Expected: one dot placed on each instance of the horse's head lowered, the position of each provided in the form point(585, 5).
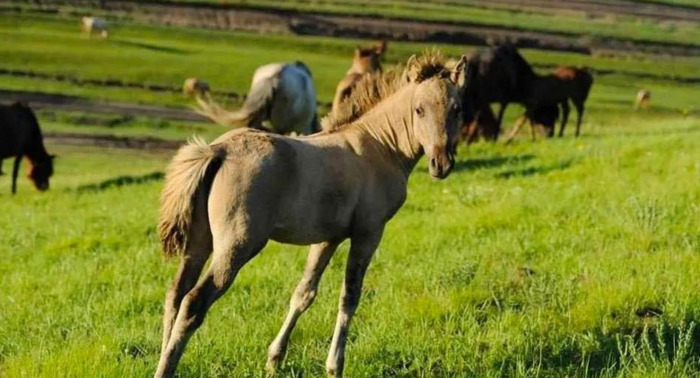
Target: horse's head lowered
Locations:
point(40, 171)
point(436, 113)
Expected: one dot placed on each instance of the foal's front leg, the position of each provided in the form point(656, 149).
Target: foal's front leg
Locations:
point(303, 297)
point(361, 252)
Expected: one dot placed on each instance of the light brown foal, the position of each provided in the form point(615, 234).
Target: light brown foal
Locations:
point(228, 198)
point(366, 60)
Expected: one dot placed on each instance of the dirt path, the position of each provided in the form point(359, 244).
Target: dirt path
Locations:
point(265, 20)
point(41, 100)
point(112, 141)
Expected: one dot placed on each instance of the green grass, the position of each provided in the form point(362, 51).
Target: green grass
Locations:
point(565, 257)
point(531, 259)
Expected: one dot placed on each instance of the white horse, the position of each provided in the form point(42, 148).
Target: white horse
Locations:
point(281, 94)
point(95, 25)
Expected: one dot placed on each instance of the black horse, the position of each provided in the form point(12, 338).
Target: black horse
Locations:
point(20, 136)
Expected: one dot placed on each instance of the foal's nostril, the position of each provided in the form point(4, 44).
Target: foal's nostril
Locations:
point(433, 163)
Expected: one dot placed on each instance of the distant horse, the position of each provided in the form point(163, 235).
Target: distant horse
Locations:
point(282, 94)
point(643, 99)
point(366, 60)
point(195, 86)
point(228, 198)
point(95, 25)
point(20, 137)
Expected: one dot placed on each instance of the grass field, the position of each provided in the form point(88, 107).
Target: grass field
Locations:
point(567, 257)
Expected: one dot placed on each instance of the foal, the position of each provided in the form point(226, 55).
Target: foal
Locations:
point(20, 136)
point(227, 199)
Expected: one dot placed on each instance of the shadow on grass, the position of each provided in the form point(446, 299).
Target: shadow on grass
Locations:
point(148, 46)
point(120, 181)
point(531, 171)
point(492, 162)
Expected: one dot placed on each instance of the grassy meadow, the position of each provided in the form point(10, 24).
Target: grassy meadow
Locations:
point(567, 257)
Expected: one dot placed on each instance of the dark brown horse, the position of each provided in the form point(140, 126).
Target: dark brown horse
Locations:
point(20, 137)
point(494, 76)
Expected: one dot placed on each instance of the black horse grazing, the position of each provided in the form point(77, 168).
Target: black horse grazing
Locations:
point(20, 136)
point(493, 76)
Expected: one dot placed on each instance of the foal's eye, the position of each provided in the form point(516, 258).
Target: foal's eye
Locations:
point(419, 111)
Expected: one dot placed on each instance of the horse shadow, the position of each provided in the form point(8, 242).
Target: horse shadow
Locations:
point(120, 181)
point(152, 47)
point(531, 171)
point(491, 162)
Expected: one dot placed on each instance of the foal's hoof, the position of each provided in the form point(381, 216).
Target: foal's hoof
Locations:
point(272, 363)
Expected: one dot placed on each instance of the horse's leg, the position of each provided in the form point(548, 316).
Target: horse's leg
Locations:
point(516, 128)
point(197, 251)
point(361, 251)
point(228, 258)
point(579, 109)
point(187, 274)
point(303, 297)
point(15, 173)
point(499, 120)
point(564, 117)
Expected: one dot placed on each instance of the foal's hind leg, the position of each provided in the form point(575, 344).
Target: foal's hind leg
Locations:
point(229, 258)
point(187, 274)
point(361, 251)
point(197, 251)
point(303, 297)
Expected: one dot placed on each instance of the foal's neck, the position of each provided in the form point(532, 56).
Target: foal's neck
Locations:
point(390, 126)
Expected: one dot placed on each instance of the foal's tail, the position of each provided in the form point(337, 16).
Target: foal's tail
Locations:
point(189, 175)
point(255, 108)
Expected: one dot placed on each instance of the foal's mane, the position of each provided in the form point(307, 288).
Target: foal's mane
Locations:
point(375, 87)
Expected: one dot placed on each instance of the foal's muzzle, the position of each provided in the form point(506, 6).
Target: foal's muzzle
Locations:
point(441, 165)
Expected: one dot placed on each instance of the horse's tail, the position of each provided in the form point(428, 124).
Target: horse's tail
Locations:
point(255, 108)
point(189, 175)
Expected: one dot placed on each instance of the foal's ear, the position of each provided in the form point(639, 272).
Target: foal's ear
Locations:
point(412, 69)
point(357, 51)
point(459, 72)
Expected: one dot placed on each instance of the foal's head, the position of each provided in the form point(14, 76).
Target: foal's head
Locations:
point(40, 171)
point(436, 112)
point(368, 59)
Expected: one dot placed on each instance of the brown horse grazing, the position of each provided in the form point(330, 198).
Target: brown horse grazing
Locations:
point(366, 60)
point(228, 198)
point(20, 137)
